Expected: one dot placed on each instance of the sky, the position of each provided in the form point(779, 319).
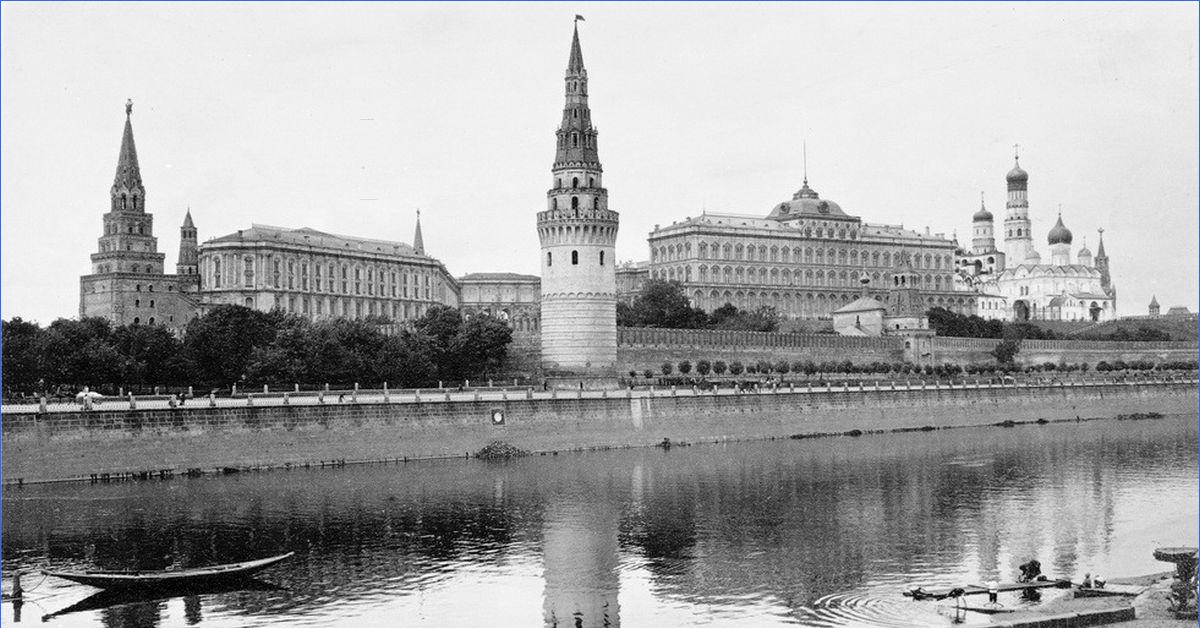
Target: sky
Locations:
point(348, 118)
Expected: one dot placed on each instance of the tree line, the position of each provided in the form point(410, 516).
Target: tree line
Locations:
point(664, 304)
point(232, 344)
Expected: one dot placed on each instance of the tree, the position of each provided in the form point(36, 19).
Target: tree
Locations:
point(481, 345)
point(1006, 350)
point(218, 345)
point(441, 324)
point(736, 368)
point(782, 367)
point(703, 367)
point(663, 304)
point(21, 345)
point(150, 355)
point(719, 367)
point(685, 367)
point(667, 368)
point(79, 353)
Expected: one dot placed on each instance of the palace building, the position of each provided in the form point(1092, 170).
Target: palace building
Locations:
point(1014, 284)
point(322, 275)
point(804, 258)
point(128, 283)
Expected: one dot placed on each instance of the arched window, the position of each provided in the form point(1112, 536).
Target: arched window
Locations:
point(601, 258)
point(137, 303)
point(549, 260)
point(591, 182)
point(574, 258)
point(124, 199)
point(574, 202)
point(575, 140)
point(575, 182)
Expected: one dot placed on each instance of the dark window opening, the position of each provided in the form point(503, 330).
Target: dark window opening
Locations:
point(549, 258)
point(601, 258)
point(574, 258)
point(574, 202)
point(575, 182)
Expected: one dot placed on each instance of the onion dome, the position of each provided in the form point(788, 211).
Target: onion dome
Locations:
point(983, 215)
point(1059, 234)
point(1017, 178)
point(1033, 257)
point(1085, 251)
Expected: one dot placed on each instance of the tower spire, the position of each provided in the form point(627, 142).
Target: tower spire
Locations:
point(804, 149)
point(128, 194)
point(575, 64)
point(418, 240)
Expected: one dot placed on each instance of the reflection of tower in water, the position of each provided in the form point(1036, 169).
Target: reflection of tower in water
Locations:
point(579, 546)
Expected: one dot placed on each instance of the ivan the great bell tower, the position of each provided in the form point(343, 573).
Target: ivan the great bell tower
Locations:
point(578, 235)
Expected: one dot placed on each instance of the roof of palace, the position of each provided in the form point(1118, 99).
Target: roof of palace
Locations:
point(747, 221)
point(498, 277)
point(305, 236)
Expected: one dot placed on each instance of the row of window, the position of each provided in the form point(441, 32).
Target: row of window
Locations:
point(776, 277)
point(331, 278)
point(558, 182)
point(114, 229)
point(574, 258)
point(808, 255)
point(346, 308)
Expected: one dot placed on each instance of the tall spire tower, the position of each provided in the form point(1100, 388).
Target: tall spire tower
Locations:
point(1018, 241)
point(418, 239)
point(1102, 263)
point(188, 255)
point(128, 244)
point(578, 237)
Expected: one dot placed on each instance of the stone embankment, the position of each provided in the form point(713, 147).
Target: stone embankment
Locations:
point(195, 439)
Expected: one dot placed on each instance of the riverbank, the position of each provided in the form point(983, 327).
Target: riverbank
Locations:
point(147, 443)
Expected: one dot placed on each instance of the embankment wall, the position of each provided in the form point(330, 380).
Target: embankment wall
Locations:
point(43, 447)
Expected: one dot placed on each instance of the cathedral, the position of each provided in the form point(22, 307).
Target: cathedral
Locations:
point(1015, 285)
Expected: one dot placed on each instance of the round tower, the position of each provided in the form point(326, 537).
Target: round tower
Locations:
point(578, 236)
point(983, 237)
point(1018, 241)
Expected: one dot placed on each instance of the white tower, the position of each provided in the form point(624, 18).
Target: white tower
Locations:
point(983, 238)
point(578, 235)
point(1018, 241)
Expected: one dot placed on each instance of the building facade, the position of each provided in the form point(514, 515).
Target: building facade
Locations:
point(1015, 284)
point(510, 297)
point(321, 275)
point(804, 259)
point(128, 283)
point(631, 276)
point(578, 235)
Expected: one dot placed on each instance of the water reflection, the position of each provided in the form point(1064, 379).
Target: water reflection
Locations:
point(819, 532)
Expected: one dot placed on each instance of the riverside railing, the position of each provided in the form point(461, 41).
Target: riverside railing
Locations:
point(505, 393)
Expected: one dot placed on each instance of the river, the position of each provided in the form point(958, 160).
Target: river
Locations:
point(820, 532)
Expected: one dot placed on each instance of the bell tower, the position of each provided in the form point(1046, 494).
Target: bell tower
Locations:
point(578, 236)
point(1018, 241)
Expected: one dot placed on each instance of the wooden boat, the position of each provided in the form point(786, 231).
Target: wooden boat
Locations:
point(170, 578)
point(118, 597)
point(920, 593)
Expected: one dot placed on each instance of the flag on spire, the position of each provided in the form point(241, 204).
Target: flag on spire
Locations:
point(579, 18)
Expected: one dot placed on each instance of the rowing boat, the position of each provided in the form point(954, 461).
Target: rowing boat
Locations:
point(169, 578)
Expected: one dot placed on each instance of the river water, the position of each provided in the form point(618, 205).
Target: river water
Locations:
point(820, 532)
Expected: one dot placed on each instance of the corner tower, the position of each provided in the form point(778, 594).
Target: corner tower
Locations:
point(578, 236)
point(1018, 241)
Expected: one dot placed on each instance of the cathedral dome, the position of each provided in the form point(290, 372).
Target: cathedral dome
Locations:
point(1059, 234)
point(983, 215)
point(1033, 257)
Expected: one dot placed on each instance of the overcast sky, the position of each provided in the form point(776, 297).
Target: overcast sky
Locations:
point(349, 117)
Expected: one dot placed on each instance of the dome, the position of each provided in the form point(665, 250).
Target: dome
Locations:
point(1017, 174)
point(1033, 257)
point(1059, 233)
point(806, 203)
point(983, 215)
